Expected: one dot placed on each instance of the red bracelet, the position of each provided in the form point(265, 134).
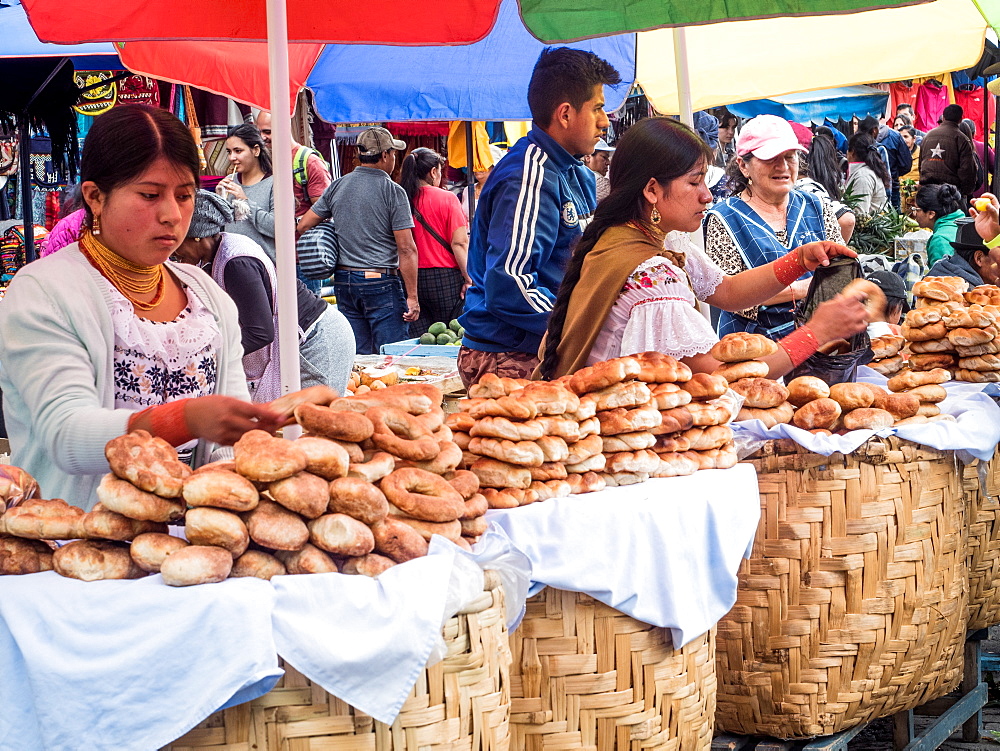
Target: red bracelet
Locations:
point(167, 421)
point(800, 345)
point(788, 268)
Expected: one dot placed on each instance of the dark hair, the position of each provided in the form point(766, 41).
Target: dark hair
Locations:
point(654, 147)
point(370, 158)
point(727, 117)
point(251, 137)
point(824, 163)
point(913, 134)
point(863, 147)
point(566, 75)
point(904, 106)
point(417, 165)
point(124, 141)
point(969, 128)
point(953, 113)
point(907, 122)
point(868, 125)
point(941, 199)
point(969, 254)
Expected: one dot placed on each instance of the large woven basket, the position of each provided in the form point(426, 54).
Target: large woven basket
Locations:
point(981, 481)
point(586, 677)
point(853, 604)
point(460, 704)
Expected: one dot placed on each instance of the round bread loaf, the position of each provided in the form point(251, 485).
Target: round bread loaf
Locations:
point(354, 452)
point(304, 493)
point(359, 499)
point(101, 523)
point(932, 346)
point(149, 463)
point(398, 541)
point(424, 496)
point(149, 550)
point(807, 388)
point(879, 394)
point(263, 458)
point(761, 393)
point(867, 419)
point(657, 367)
point(493, 473)
point(931, 361)
point(627, 394)
point(371, 565)
point(330, 423)
point(930, 393)
point(462, 440)
point(669, 396)
point(38, 519)
point(889, 366)
point(19, 556)
point(902, 406)
point(603, 374)
point(196, 564)
point(741, 346)
point(341, 535)
point(769, 417)
point(850, 396)
point(909, 379)
point(552, 488)
point(734, 371)
point(94, 560)
point(703, 386)
point(915, 420)
point(449, 530)
point(273, 526)
point(324, 457)
point(708, 414)
point(124, 498)
point(929, 410)
point(308, 560)
point(258, 564)
point(212, 526)
point(221, 489)
point(819, 413)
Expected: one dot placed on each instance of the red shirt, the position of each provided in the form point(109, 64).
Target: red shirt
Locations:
point(442, 211)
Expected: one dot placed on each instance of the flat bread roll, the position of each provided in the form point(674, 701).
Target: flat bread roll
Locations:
point(94, 560)
point(931, 361)
point(889, 366)
point(448, 530)
point(359, 499)
point(807, 388)
point(212, 526)
point(37, 519)
point(151, 549)
point(258, 564)
point(734, 371)
point(304, 493)
point(760, 393)
point(308, 560)
point(196, 564)
point(867, 419)
point(931, 393)
point(818, 414)
point(741, 346)
point(901, 406)
point(493, 473)
point(324, 457)
point(627, 394)
point(371, 565)
point(273, 526)
point(703, 386)
point(220, 489)
point(910, 379)
point(851, 396)
point(669, 396)
point(103, 524)
point(261, 457)
point(20, 556)
point(124, 498)
point(149, 463)
point(341, 535)
point(398, 541)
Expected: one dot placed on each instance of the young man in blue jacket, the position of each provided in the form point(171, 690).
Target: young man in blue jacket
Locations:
point(534, 205)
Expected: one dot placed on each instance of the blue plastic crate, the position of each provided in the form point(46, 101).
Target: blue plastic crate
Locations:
point(412, 348)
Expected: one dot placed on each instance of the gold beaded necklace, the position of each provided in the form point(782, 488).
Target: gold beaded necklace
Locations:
point(111, 265)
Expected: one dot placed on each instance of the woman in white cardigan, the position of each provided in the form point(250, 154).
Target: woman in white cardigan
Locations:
point(107, 336)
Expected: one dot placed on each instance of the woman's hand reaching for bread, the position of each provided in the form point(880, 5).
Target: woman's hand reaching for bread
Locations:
point(819, 253)
point(224, 420)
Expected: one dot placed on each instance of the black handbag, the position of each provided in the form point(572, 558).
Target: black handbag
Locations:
point(827, 282)
point(318, 250)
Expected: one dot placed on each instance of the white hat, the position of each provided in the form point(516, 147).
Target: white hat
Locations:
point(602, 145)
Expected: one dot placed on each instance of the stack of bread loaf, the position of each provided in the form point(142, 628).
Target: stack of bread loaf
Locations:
point(887, 357)
point(763, 398)
point(848, 406)
point(924, 329)
point(926, 387)
point(710, 439)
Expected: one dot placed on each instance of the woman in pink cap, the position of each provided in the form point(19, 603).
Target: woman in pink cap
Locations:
point(764, 219)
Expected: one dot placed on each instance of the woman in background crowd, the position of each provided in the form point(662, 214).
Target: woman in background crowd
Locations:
point(867, 176)
point(938, 208)
point(250, 187)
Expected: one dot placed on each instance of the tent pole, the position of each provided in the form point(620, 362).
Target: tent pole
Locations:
point(995, 172)
point(683, 76)
point(986, 137)
point(27, 211)
point(470, 175)
point(284, 206)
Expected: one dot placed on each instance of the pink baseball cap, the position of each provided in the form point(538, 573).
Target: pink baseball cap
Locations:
point(766, 136)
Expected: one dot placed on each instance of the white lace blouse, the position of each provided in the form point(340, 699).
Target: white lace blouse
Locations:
point(656, 310)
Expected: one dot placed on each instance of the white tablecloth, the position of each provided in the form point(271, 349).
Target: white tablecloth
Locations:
point(665, 551)
point(135, 664)
point(974, 436)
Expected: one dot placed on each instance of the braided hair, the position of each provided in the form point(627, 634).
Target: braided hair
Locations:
point(657, 148)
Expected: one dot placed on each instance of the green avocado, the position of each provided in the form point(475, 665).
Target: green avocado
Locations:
point(428, 338)
point(445, 338)
point(454, 325)
point(457, 342)
point(437, 328)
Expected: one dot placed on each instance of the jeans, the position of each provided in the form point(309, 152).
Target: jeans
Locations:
point(313, 285)
point(373, 307)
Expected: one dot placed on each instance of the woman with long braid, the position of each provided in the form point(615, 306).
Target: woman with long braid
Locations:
point(634, 279)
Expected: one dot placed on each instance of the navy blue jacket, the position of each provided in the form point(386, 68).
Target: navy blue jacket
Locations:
point(533, 206)
point(900, 158)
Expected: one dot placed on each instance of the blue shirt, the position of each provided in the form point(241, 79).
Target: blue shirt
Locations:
point(534, 205)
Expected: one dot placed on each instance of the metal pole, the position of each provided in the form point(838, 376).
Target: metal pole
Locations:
point(27, 212)
point(986, 138)
point(683, 77)
point(996, 163)
point(470, 176)
point(284, 205)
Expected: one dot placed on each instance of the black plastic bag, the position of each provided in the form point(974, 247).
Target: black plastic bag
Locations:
point(827, 282)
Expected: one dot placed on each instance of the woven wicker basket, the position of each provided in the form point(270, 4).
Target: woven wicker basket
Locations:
point(460, 704)
point(982, 491)
point(585, 677)
point(853, 604)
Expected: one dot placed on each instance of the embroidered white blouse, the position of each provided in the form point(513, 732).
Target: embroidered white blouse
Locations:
point(656, 309)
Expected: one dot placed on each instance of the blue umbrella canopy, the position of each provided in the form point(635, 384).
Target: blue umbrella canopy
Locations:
point(813, 107)
point(18, 39)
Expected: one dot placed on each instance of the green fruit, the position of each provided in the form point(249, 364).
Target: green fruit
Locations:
point(457, 343)
point(444, 339)
point(461, 331)
point(454, 325)
point(428, 338)
point(437, 328)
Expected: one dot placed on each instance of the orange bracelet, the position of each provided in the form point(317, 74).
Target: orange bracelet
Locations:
point(167, 421)
point(788, 268)
point(800, 345)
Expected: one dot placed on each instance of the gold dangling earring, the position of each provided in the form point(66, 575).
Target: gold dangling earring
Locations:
point(95, 228)
point(654, 215)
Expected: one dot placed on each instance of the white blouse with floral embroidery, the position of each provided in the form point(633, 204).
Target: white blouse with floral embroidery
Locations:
point(656, 309)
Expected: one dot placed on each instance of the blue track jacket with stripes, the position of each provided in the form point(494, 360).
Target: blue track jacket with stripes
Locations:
point(534, 204)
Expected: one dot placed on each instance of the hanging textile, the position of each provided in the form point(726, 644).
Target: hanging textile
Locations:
point(482, 159)
point(191, 120)
point(973, 100)
point(136, 89)
point(101, 91)
point(902, 92)
point(932, 98)
point(516, 130)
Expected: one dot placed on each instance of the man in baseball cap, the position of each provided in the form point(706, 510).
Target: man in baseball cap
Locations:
point(376, 276)
point(599, 162)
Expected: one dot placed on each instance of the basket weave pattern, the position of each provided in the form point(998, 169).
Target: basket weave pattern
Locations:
point(460, 704)
point(853, 604)
point(981, 482)
point(586, 677)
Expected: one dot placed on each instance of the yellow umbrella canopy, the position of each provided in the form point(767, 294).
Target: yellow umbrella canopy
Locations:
point(739, 61)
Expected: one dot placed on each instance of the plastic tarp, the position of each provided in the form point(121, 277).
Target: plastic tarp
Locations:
point(487, 80)
point(18, 39)
point(740, 61)
point(814, 107)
